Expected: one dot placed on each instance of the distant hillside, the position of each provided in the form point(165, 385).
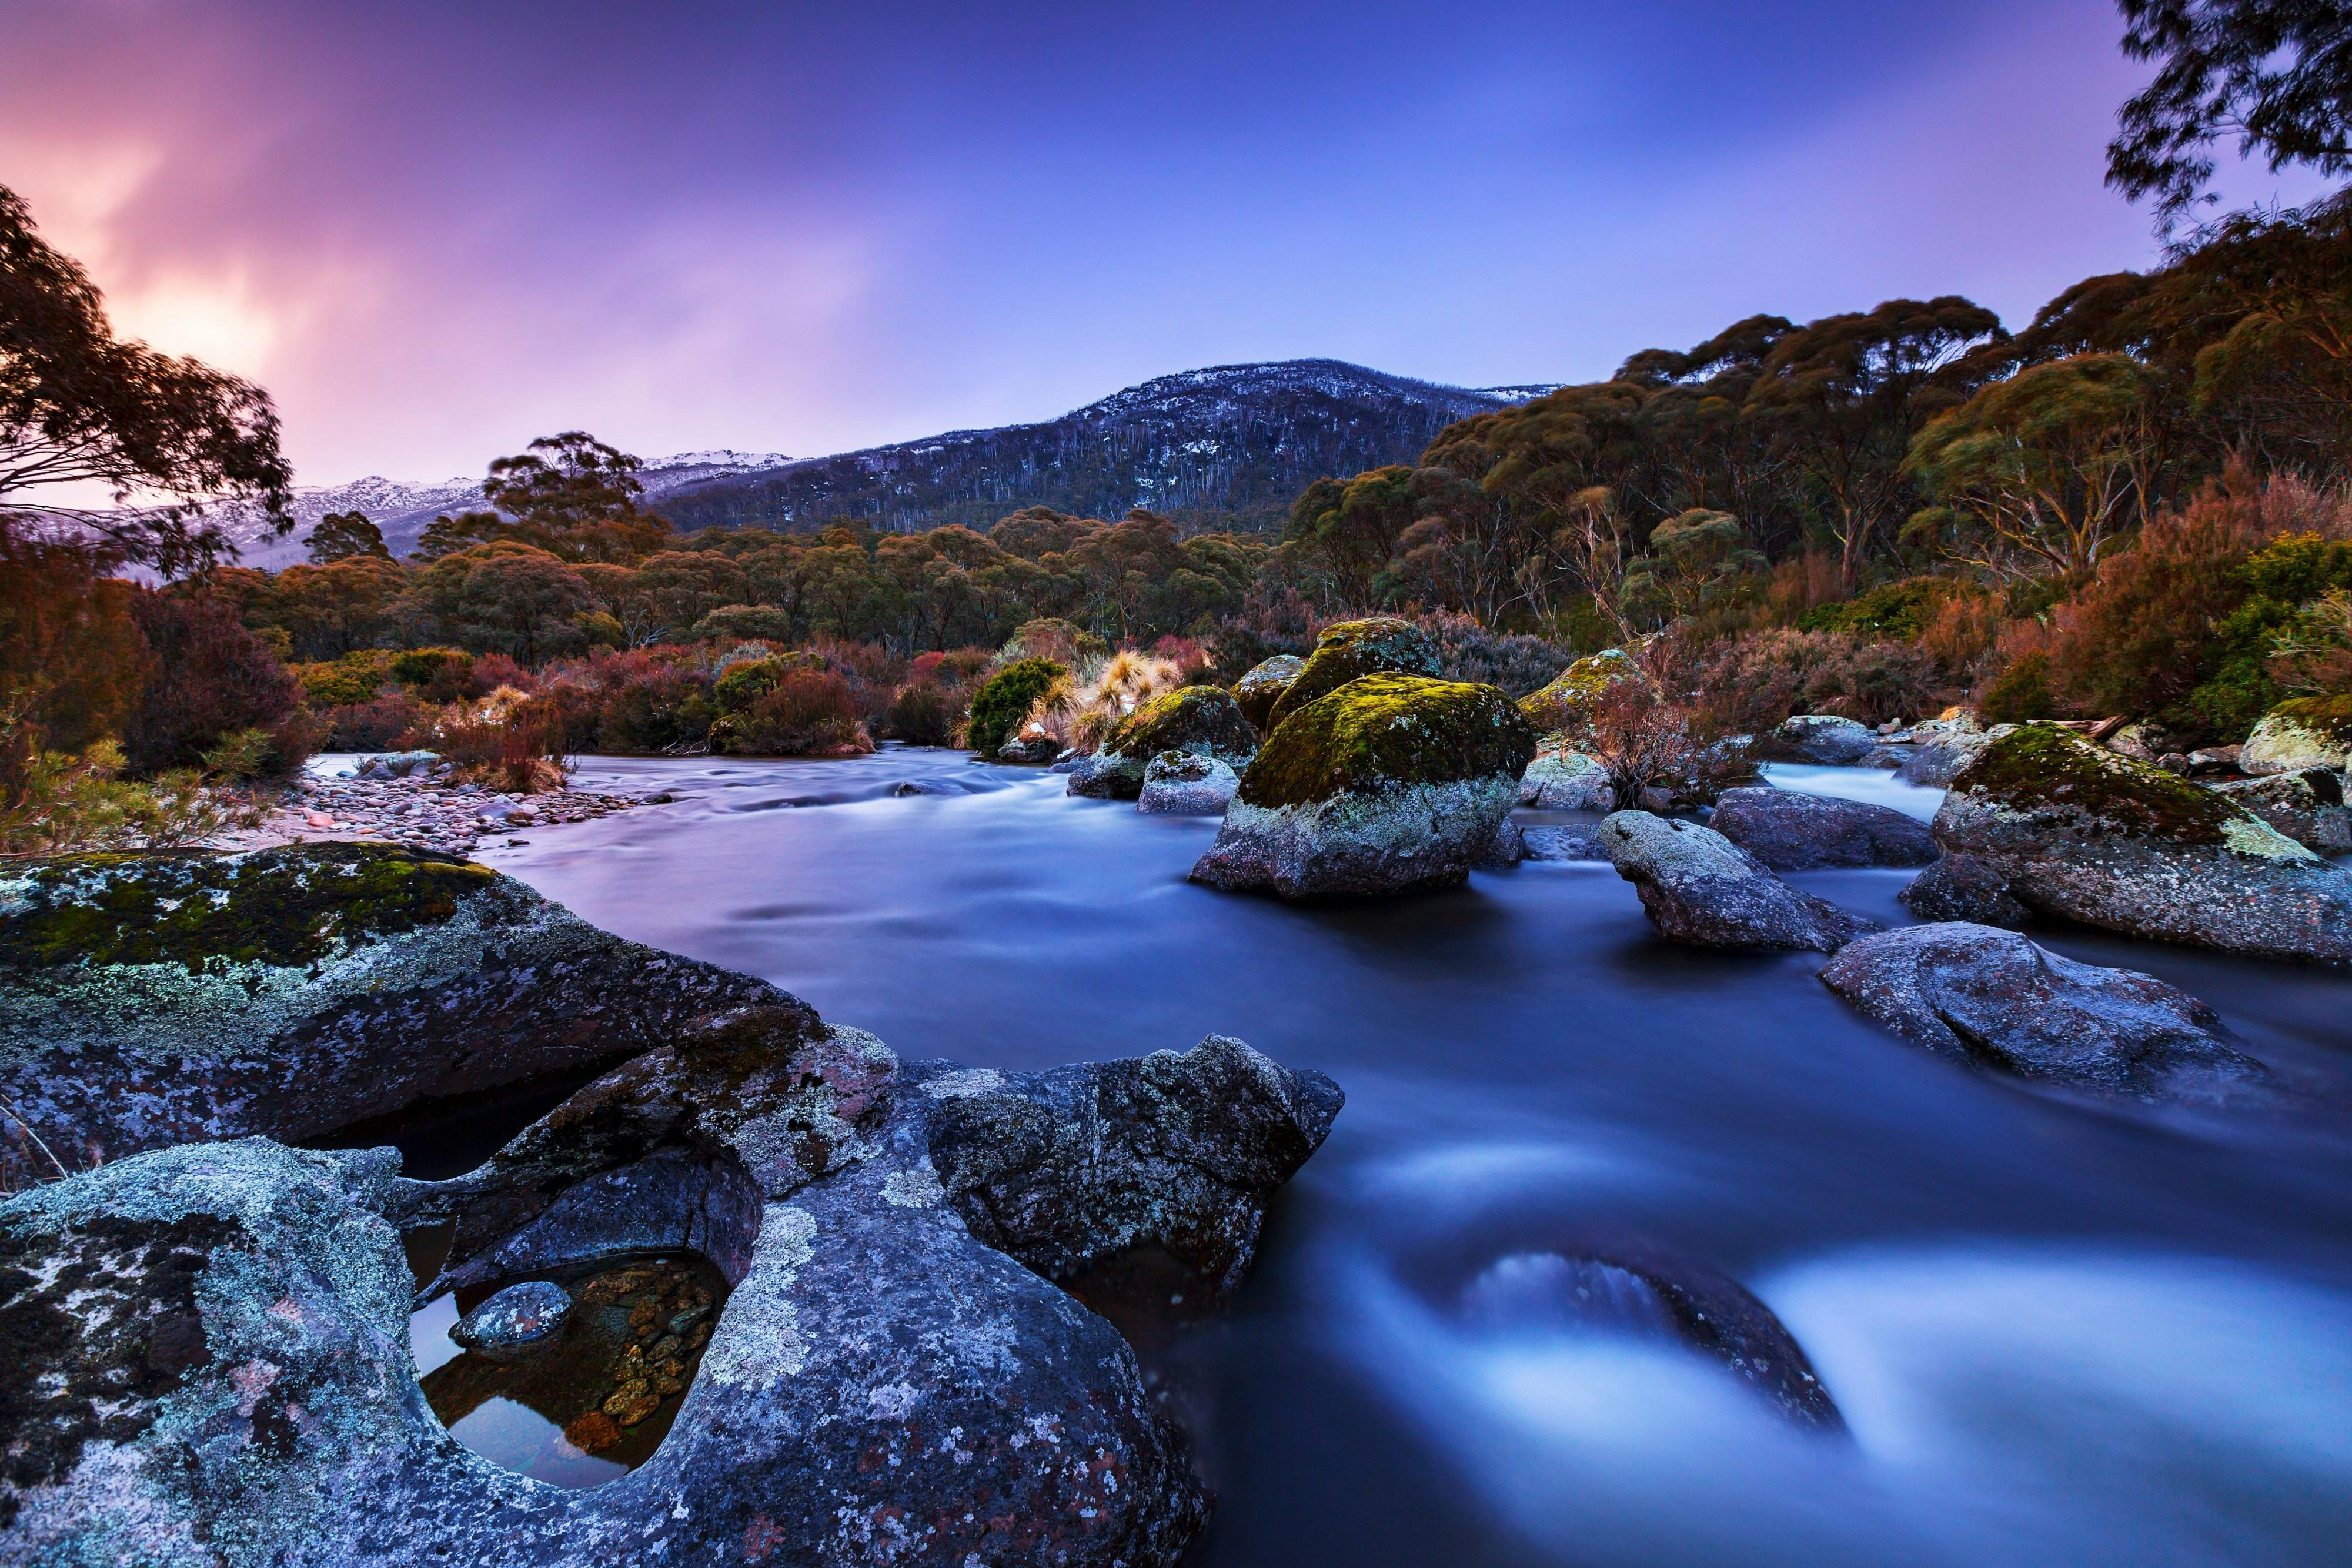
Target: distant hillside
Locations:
point(1225, 447)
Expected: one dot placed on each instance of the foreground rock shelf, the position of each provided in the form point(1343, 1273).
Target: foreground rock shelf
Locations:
point(210, 1357)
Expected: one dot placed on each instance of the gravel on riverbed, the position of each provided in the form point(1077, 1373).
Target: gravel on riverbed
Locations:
point(422, 812)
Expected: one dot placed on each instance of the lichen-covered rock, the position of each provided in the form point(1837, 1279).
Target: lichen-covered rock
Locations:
point(1785, 829)
point(2304, 732)
point(1257, 690)
point(1203, 720)
point(211, 1362)
point(2071, 828)
point(1818, 738)
point(2307, 805)
point(1568, 702)
point(1962, 887)
point(1187, 784)
point(519, 1321)
point(1992, 1000)
point(1348, 650)
point(1699, 887)
point(160, 998)
point(1391, 784)
point(1562, 778)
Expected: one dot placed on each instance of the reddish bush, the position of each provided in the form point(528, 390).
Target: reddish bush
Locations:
point(1750, 683)
point(806, 713)
point(208, 678)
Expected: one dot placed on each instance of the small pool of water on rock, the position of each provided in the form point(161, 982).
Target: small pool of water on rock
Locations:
point(2058, 1334)
point(594, 1402)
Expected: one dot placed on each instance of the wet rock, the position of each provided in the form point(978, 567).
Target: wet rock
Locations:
point(2304, 732)
point(154, 998)
point(1391, 784)
point(1818, 738)
point(1508, 848)
point(907, 788)
point(1187, 784)
point(517, 1321)
point(1625, 1285)
point(1937, 761)
point(1257, 692)
point(1033, 746)
point(1201, 720)
point(1992, 1000)
point(1699, 887)
point(1561, 844)
point(2307, 805)
point(2071, 828)
point(1348, 650)
point(1785, 829)
point(217, 1334)
point(1562, 778)
point(1962, 887)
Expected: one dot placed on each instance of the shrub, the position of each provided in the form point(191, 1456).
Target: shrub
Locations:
point(71, 659)
point(353, 678)
point(2021, 693)
point(1004, 701)
point(743, 623)
point(380, 724)
point(1513, 660)
point(445, 674)
point(1053, 640)
point(1896, 611)
point(507, 740)
point(1750, 683)
point(208, 678)
point(805, 713)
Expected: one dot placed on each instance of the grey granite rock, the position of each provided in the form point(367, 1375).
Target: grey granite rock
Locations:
point(1187, 784)
point(519, 1321)
point(1701, 888)
point(1819, 738)
point(2307, 805)
point(1788, 831)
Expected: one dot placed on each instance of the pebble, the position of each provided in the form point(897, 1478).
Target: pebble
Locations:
point(429, 814)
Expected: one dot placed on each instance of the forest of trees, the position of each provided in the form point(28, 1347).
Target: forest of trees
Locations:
point(2133, 503)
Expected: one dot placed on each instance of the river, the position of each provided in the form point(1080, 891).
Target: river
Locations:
point(2059, 1332)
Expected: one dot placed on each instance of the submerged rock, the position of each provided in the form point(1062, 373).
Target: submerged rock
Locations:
point(1562, 778)
point(1202, 720)
point(517, 1321)
point(1962, 887)
point(2304, 732)
point(1391, 784)
point(1348, 650)
point(1818, 738)
point(1187, 784)
point(2067, 828)
point(213, 1339)
point(163, 998)
point(1699, 887)
point(1256, 691)
point(1992, 1000)
point(1788, 831)
point(2307, 805)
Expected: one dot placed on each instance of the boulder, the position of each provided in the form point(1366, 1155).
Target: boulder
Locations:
point(2307, 805)
point(519, 1321)
point(1699, 887)
point(211, 1341)
point(2305, 732)
point(1187, 784)
point(1818, 738)
point(1391, 784)
point(1567, 703)
point(1262, 687)
point(160, 998)
point(1203, 720)
point(1962, 887)
point(1348, 650)
point(2070, 829)
point(1562, 778)
point(1786, 830)
point(1033, 746)
point(1991, 999)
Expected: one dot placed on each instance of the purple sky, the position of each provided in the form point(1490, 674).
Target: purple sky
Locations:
point(436, 231)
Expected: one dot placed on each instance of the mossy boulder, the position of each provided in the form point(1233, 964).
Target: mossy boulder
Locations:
point(2307, 805)
point(1567, 704)
point(169, 996)
point(1203, 720)
point(2306, 732)
point(2067, 828)
point(1348, 650)
point(1391, 783)
point(1263, 687)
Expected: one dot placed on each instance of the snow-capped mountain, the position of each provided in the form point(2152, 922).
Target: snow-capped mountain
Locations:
point(1227, 446)
point(403, 510)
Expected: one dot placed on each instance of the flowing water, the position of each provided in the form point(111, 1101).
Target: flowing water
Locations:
point(2059, 1333)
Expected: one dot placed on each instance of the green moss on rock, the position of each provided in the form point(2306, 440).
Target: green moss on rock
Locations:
point(1387, 731)
point(2328, 716)
point(1568, 701)
point(1190, 718)
point(2040, 766)
point(1349, 650)
point(289, 907)
point(1262, 687)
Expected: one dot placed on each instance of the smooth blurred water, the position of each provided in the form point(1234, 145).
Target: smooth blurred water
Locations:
point(1873, 785)
point(2061, 1334)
